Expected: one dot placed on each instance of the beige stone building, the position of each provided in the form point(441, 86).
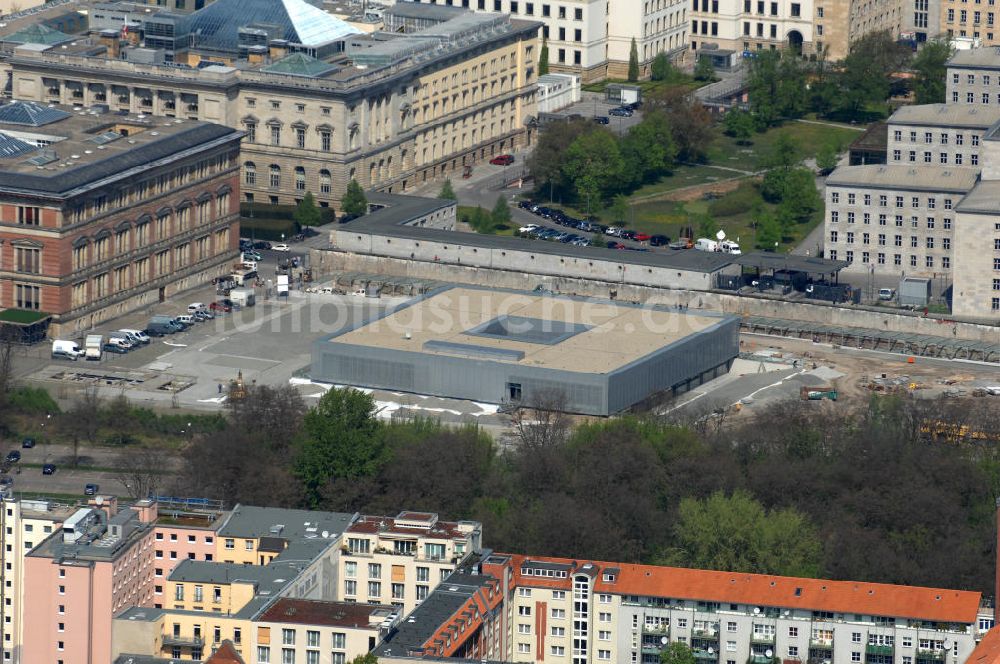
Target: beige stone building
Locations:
point(976, 21)
point(319, 102)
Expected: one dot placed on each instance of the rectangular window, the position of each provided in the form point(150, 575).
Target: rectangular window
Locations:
point(29, 216)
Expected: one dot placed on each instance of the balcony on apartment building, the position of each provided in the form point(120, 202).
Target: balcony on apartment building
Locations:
point(183, 641)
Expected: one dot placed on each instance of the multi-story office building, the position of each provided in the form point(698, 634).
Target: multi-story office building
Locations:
point(928, 211)
point(319, 103)
point(753, 25)
point(105, 213)
point(526, 609)
point(974, 77)
point(23, 524)
point(975, 22)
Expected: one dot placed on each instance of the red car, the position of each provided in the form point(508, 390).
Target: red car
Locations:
point(221, 306)
point(642, 237)
point(502, 160)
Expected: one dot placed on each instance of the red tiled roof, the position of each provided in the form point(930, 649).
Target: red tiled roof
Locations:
point(318, 612)
point(226, 654)
point(878, 599)
point(988, 650)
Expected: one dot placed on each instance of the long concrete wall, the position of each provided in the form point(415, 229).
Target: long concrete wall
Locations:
point(329, 261)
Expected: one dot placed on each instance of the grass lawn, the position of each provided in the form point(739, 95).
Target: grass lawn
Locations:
point(683, 176)
point(724, 150)
point(21, 316)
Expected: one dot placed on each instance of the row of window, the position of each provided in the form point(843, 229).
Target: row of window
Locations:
point(930, 222)
point(970, 97)
point(897, 259)
point(375, 590)
point(959, 159)
point(375, 570)
point(898, 240)
point(883, 200)
point(944, 137)
point(190, 538)
point(977, 19)
point(288, 656)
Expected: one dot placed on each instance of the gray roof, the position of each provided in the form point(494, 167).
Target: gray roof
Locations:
point(424, 621)
point(400, 210)
point(300, 64)
point(976, 58)
point(218, 24)
point(410, 9)
point(947, 115)
point(11, 147)
point(30, 114)
point(210, 571)
point(905, 177)
point(305, 542)
point(984, 197)
point(789, 262)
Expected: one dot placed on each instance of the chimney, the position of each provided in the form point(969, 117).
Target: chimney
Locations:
point(107, 504)
point(147, 509)
point(279, 48)
point(110, 39)
point(257, 55)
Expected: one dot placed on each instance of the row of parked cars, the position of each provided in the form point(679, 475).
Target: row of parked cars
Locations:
point(563, 219)
point(125, 340)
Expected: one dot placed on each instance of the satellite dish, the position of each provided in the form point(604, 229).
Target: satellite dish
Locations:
point(947, 644)
point(721, 235)
point(664, 640)
point(756, 610)
point(326, 533)
point(769, 652)
point(711, 650)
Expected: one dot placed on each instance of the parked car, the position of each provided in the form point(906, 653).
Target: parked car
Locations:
point(886, 294)
point(526, 205)
point(91, 489)
point(49, 469)
point(280, 247)
point(659, 240)
point(260, 244)
point(13, 456)
point(524, 230)
point(621, 111)
point(28, 443)
point(221, 306)
point(502, 160)
point(115, 348)
point(6, 480)
point(602, 119)
point(252, 256)
point(138, 335)
point(642, 237)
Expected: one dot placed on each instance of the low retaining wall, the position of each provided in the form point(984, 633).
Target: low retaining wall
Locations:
point(329, 261)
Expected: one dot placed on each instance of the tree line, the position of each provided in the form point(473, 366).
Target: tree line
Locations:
point(586, 163)
point(846, 494)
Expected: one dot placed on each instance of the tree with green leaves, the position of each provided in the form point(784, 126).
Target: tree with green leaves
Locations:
point(479, 219)
point(648, 149)
point(826, 158)
point(633, 62)
point(546, 161)
point(306, 213)
point(543, 58)
point(447, 191)
point(354, 200)
point(735, 532)
point(661, 69)
point(740, 125)
point(619, 207)
point(677, 653)
point(593, 163)
point(777, 87)
point(799, 196)
point(931, 71)
point(707, 226)
point(367, 658)
point(703, 70)
point(341, 439)
point(867, 71)
point(501, 212)
point(767, 231)
point(691, 125)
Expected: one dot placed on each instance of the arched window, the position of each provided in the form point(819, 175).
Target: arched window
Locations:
point(275, 176)
point(300, 178)
point(250, 173)
point(324, 181)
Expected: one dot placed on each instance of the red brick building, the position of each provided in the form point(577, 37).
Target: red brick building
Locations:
point(102, 214)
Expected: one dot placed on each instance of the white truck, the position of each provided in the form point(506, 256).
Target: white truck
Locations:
point(242, 296)
point(705, 244)
point(94, 346)
point(730, 247)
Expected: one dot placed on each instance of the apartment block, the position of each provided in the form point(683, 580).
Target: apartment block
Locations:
point(526, 609)
point(969, 22)
point(754, 25)
point(399, 560)
point(319, 103)
point(23, 524)
point(974, 77)
point(103, 214)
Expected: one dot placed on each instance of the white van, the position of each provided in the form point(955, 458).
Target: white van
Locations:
point(196, 306)
point(187, 319)
point(704, 244)
point(730, 247)
point(137, 335)
point(67, 350)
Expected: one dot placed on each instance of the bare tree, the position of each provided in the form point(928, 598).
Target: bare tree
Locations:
point(83, 419)
point(6, 377)
point(141, 471)
point(541, 420)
